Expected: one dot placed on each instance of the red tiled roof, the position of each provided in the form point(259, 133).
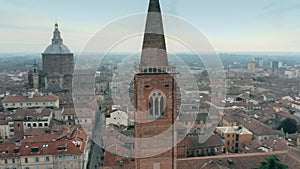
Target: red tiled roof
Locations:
point(193, 142)
point(281, 113)
point(27, 99)
point(45, 148)
point(35, 114)
point(238, 161)
point(112, 160)
point(3, 122)
point(34, 132)
point(286, 115)
point(239, 104)
point(229, 119)
point(69, 111)
point(253, 125)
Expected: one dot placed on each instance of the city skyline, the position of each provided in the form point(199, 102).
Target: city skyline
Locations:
point(256, 26)
point(100, 85)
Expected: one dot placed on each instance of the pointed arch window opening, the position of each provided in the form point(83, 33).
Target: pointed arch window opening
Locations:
point(157, 104)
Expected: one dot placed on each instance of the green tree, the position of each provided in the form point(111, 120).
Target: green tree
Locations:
point(289, 125)
point(273, 163)
point(204, 73)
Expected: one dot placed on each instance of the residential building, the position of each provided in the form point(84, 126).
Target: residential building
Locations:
point(202, 145)
point(68, 154)
point(118, 117)
point(235, 137)
point(31, 101)
point(4, 130)
point(228, 121)
point(239, 161)
point(260, 131)
point(68, 116)
point(31, 118)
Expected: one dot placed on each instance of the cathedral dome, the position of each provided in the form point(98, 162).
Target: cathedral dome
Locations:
point(57, 46)
point(57, 49)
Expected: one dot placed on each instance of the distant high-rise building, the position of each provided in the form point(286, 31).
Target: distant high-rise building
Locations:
point(276, 64)
point(259, 62)
point(251, 67)
point(58, 66)
point(280, 64)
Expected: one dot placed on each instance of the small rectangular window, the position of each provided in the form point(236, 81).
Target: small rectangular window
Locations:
point(16, 150)
point(35, 149)
point(47, 159)
point(62, 148)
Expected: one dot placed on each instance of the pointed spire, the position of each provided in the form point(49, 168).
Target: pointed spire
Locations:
point(56, 35)
point(154, 51)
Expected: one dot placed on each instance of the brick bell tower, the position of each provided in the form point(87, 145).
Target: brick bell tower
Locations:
point(155, 98)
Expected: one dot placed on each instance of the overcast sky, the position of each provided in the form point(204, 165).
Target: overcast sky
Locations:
point(230, 25)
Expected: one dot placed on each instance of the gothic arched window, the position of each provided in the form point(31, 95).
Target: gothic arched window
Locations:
point(157, 103)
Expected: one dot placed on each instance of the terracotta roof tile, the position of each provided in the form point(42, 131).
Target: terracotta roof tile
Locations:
point(40, 148)
point(27, 99)
point(193, 142)
point(238, 161)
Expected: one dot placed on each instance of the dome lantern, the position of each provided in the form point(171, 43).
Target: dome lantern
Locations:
point(57, 46)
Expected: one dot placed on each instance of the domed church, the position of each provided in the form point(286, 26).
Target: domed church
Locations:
point(58, 66)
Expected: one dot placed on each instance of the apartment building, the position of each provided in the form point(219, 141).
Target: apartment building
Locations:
point(234, 137)
point(40, 153)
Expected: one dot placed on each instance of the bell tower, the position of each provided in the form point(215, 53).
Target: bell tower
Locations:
point(35, 75)
point(155, 98)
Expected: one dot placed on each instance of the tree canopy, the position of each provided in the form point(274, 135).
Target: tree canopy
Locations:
point(289, 125)
point(273, 163)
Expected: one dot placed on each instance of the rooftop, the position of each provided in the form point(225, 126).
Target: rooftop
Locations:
point(238, 161)
point(40, 148)
point(30, 99)
point(234, 129)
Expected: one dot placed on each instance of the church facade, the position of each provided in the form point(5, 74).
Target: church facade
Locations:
point(57, 67)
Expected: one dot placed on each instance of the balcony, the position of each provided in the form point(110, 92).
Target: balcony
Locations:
point(154, 69)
